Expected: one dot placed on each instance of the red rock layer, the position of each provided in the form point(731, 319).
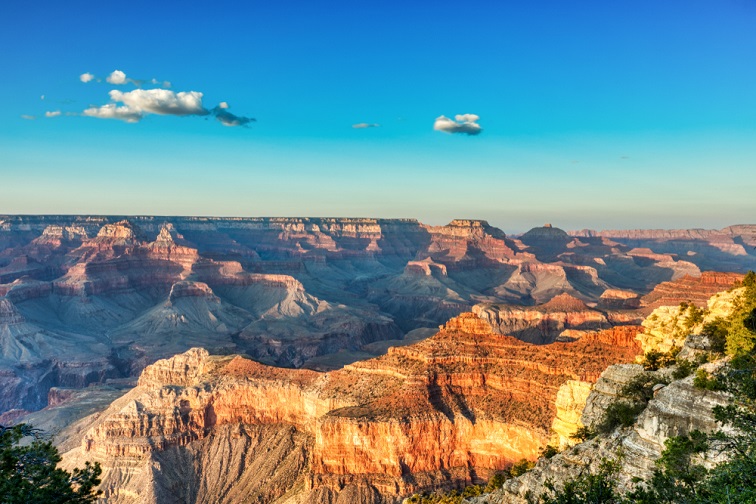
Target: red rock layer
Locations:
point(448, 410)
point(688, 288)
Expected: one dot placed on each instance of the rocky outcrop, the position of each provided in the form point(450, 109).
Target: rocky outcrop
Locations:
point(570, 403)
point(443, 412)
point(690, 289)
point(676, 409)
point(544, 323)
point(617, 299)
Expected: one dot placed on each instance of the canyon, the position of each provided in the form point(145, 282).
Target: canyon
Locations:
point(302, 360)
point(87, 299)
point(449, 410)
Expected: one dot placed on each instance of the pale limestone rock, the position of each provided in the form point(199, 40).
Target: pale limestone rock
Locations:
point(721, 304)
point(607, 390)
point(570, 402)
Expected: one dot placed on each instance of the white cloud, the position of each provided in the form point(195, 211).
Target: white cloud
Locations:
point(86, 77)
point(133, 106)
point(28, 117)
point(365, 125)
point(42, 97)
point(54, 113)
point(117, 77)
point(466, 117)
point(141, 102)
point(162, 101)
point(111, 111)
point(462, 123)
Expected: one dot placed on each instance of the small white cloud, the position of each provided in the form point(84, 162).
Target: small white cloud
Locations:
point(54, 113)
point(223, 105)
point(28, 117)
point(42, 97)
point(167, 84)
point(117, 77)
point(86, 77)
point(365, 125)
point(462, 123)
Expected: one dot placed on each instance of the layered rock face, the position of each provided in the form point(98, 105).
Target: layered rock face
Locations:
point(690, 289)
point(299, 292)
point(730, 248)
point(443, 412)
point(563, 315)
point(676, 409)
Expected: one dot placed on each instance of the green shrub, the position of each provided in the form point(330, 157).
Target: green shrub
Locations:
point(684, 369)
point(593, 488)
point(583, 434)
point(496, 481)
point(654, 360)
point(641, 387)
point(705, 381)
point(716, 330)
point(521, 467)
point(548, 451)
point(29, 473)
point(619, 414)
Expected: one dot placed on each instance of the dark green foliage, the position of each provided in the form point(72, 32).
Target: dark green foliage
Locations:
point(694, 315)
point(705, 381)
point(716, 330)
point(641, 388)
point(654, 360)
point(548, 451)
point(731, 482)
point(684, 369)
point(634, 397)
point(750, 321)
point(28, 472)
point(740, 380)
point(521, 467)
point(676, 478)
point(619, 414)
point(598, 488)
point(496, 481)
point(583, 434)
point(741, 335)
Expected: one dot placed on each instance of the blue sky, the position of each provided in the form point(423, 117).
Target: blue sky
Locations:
point(593, 114)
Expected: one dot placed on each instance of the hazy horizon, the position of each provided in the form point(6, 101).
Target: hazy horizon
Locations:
point(507, 227)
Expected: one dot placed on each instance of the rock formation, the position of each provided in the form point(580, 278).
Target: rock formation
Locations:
point(446, 411)
point(544, 323)
point(121, 292)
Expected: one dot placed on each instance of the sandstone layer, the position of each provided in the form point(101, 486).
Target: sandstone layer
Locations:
point(447, 411)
